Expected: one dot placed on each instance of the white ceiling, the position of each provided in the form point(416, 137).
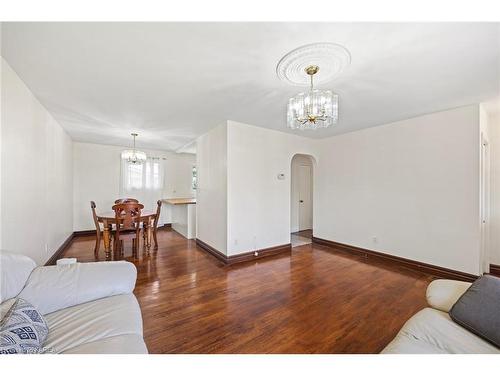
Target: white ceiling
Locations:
point(171, 82)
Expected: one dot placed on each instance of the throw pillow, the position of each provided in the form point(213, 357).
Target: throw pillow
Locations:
point(478, 309)
point(22, 330)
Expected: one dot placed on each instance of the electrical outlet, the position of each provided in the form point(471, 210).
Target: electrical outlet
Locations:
point(374, 239)
point(236, 242)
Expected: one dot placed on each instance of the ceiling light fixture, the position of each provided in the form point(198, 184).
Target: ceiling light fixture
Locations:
point(316, 108)
point(134, 156)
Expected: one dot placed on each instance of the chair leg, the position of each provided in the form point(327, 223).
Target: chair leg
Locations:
point(154, 238)
point(135, 248)
point(97, 243)
point(111, 237)
point(115, 248)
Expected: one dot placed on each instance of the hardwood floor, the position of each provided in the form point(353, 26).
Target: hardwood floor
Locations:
point(315, 301)
point(301, 237)
point(307, 233)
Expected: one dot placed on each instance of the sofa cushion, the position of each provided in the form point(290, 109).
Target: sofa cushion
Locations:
point(93, 321)
point(478, 309)
point(14, 271)
point(122, 344)
point(431, 331)
point(23, 330)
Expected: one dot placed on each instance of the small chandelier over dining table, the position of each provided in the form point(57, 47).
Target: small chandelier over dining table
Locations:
point(314, 109)
point(134, 156)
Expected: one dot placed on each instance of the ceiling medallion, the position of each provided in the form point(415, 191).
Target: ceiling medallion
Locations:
point(316, 108)
point(332, 58)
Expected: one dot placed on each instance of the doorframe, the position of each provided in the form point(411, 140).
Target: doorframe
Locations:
point(484, 203)
point(313, 186)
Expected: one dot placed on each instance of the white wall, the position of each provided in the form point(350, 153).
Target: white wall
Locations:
point(258, 202)
point(211, 195)
point(494, 128)
point(413, 184)
point(297, 161)
point(97, 177)
point(1, 121)
point(36, 174)
point(409, 188)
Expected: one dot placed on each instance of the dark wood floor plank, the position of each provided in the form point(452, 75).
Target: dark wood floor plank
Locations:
point(317, 300)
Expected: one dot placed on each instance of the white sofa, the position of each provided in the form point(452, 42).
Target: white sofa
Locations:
point(431, 330)
point(89, 307)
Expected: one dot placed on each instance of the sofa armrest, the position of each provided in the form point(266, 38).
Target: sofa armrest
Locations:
point(53, 288)
point(442, 294)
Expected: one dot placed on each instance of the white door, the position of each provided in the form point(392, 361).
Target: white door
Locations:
point(305, 197)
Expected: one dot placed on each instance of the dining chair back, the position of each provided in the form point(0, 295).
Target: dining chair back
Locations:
point(127, 215)
point(128, 225)
point(126, 200)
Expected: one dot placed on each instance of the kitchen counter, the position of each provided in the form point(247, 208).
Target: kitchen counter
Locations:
point(176, 201)
point(183, 216)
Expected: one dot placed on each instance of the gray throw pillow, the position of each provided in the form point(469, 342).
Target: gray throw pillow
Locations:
point(478, 309)
point(23, 330)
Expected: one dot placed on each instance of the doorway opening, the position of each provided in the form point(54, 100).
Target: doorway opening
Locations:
point(301, 199)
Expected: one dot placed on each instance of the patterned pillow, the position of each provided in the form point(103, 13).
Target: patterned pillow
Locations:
point(22, 330)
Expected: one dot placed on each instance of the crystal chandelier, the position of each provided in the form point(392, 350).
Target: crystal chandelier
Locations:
point(314, 109)
point(134, 156)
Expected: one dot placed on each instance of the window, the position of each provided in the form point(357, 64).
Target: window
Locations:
point(134, 176)
point(194, 180)
point(153, 174)
point(147, 176)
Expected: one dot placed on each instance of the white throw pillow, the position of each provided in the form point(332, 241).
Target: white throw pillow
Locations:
point(14, 272)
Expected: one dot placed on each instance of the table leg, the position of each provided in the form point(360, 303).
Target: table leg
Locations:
point(144, 235)
point(106, 237)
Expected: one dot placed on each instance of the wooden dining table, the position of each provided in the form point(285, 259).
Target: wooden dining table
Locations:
point(108, 219)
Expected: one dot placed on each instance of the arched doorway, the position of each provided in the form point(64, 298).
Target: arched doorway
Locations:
point(301, 199)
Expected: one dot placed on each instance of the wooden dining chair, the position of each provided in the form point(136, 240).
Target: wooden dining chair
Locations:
point(128, 226)
point(126, 200)
point(155, 222)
